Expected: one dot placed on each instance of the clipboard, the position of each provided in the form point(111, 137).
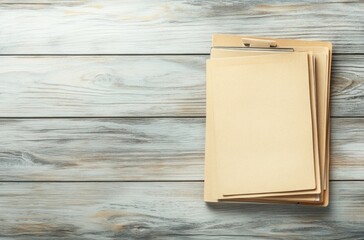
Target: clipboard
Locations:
point(226, 47)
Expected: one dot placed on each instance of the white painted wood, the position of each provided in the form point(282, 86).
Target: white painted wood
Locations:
point(347, 86)
point(101, 149)
point(135, 149)
point(165, 26)
point(153, 149)
point(168, 210)
point(102, 86)
point(135, 86)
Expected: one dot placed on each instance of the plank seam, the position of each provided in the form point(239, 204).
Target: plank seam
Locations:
point(138, 181)
point(132, 54)
point(136, 117)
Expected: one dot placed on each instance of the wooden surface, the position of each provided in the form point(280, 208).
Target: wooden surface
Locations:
point(135, 149)
point(84, 86)
point(167, 26)
point(102, 107)
point(168, 210)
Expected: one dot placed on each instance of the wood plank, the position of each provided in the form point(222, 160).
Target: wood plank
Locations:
point(135, 149)
point(135, 85)
point(102, 86)
point(347, 147)
point(101, 149)
point(347, 86)
point(170, 210)
point(167, 26)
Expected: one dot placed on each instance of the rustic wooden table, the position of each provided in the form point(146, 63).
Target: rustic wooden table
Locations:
point(102, 107)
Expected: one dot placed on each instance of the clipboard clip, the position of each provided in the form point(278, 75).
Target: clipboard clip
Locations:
point(258, 43)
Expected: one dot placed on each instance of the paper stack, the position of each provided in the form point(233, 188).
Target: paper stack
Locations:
point(267, 120)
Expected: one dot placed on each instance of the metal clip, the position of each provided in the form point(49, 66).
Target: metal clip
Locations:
point(258, 43)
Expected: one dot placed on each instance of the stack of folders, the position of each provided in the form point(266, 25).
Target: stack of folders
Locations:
point(267, 121)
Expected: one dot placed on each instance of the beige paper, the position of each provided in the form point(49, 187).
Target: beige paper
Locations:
point(308, 195)
point(277, 154)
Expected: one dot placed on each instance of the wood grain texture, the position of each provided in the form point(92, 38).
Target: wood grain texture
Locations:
point(168, 210)
point(71, 86)
point(168, 26)
point(135, 149)
point(102, 86)
point(347, 86)
point(102, 149)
